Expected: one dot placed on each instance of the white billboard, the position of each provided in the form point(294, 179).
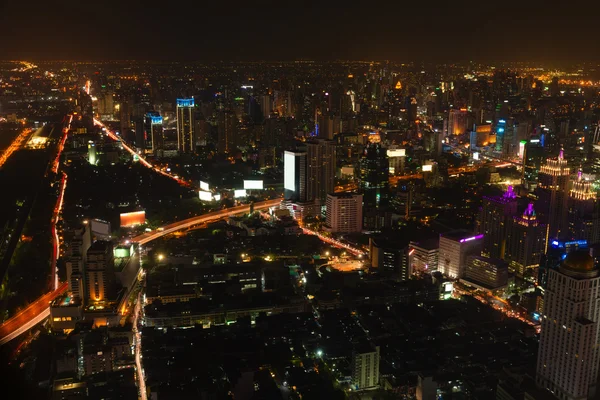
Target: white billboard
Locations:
point(205, 196)
point(427, 168)
point(396, 153)
point(204, 186)
point(239, 193)
point(475, 155)
point(253, 184)
point(289, 171)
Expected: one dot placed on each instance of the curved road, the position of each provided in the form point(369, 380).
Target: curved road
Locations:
point(40, 309)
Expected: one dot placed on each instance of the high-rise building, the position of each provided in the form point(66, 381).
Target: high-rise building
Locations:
point(584, 222)
point(226, 128)
point(186, 138)
point(365, 367)
point(76, 258)
point(526, 242)
point(344, 212)
point(100, 272)
point(389, 259)
point(374, 175)
point(320, 169)
point(92, 153)
point(488, 273)
point(533, 155)
point(495, 218)
point(423, 257)
point(569, 349)
point(153, 133)
point(553, 196)
point(458, 121)
point(294, 175)
point(454, 249)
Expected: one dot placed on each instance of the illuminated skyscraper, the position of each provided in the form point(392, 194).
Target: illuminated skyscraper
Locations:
point(495, 218)
point(569, 349)
point(583, 211)
point(294, 175)
point(553, 195)
point(186, 138)
point(526, 242)
point(76, 258)
point(458, 121)
point(373, 171)
point(100, 272)
point(153, 133)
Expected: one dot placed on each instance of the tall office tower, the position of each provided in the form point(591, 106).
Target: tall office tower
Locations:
point(458, 121)
point(153, 133)
point(100, 272)
point(583, 211)
point(526, 242)
point(374, 175)
point(226, 126)
point(294, 175)
point(344, 212)
point(320, 169)
point(365, 367)
point(266, 105)
point(454, 249)
point(568, 353)
point(533, 155)
point(500, 135)
point(494, 221)
point(75, 260)
point(553, 196)
point(186, 138)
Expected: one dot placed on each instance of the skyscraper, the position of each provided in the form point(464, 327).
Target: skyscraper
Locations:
point(553, 196)
point(344, 212)
point(100, 271)
point(75, 260)
point(226, 127)
point(583, 211)
point(294, 175)
point(373, 171)
point(569, 341)
point(526, 241)
point(495, 218)
point(186, 138)
point(458, 121)
point(153, 133)
point(320, 168)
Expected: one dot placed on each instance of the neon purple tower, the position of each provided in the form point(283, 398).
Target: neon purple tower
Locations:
point(494, 222)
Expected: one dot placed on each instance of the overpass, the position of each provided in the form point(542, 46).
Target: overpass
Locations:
point(202, 219)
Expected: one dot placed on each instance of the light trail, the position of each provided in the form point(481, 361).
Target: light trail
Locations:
point(113, 136)
point(61, 145)
point(334, 242)
point(16, 144)
point(138, 349)
point(55, 219)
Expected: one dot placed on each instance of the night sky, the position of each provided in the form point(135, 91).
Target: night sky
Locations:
point(400, 30)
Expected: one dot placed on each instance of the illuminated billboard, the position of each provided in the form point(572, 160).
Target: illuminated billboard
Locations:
point(133, 218)
point(239, 193)
point(205, 196)
point(475, 155)
point(204, 186)
point(289, 171)
point(396, 153)
point(253, 184)
point(427, 168)
point(217, 197)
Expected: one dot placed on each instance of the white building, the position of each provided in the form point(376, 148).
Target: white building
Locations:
point(365, 367)
point(423, 256)
point(569, 341)
point(344, 212)
point(454, 249)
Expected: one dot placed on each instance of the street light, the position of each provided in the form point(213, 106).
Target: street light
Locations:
point(161, 257)
point(319, 353)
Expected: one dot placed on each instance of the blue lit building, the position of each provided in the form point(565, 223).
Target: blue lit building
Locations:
point(186, 138)
point(153, 133)
point(557, 252)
